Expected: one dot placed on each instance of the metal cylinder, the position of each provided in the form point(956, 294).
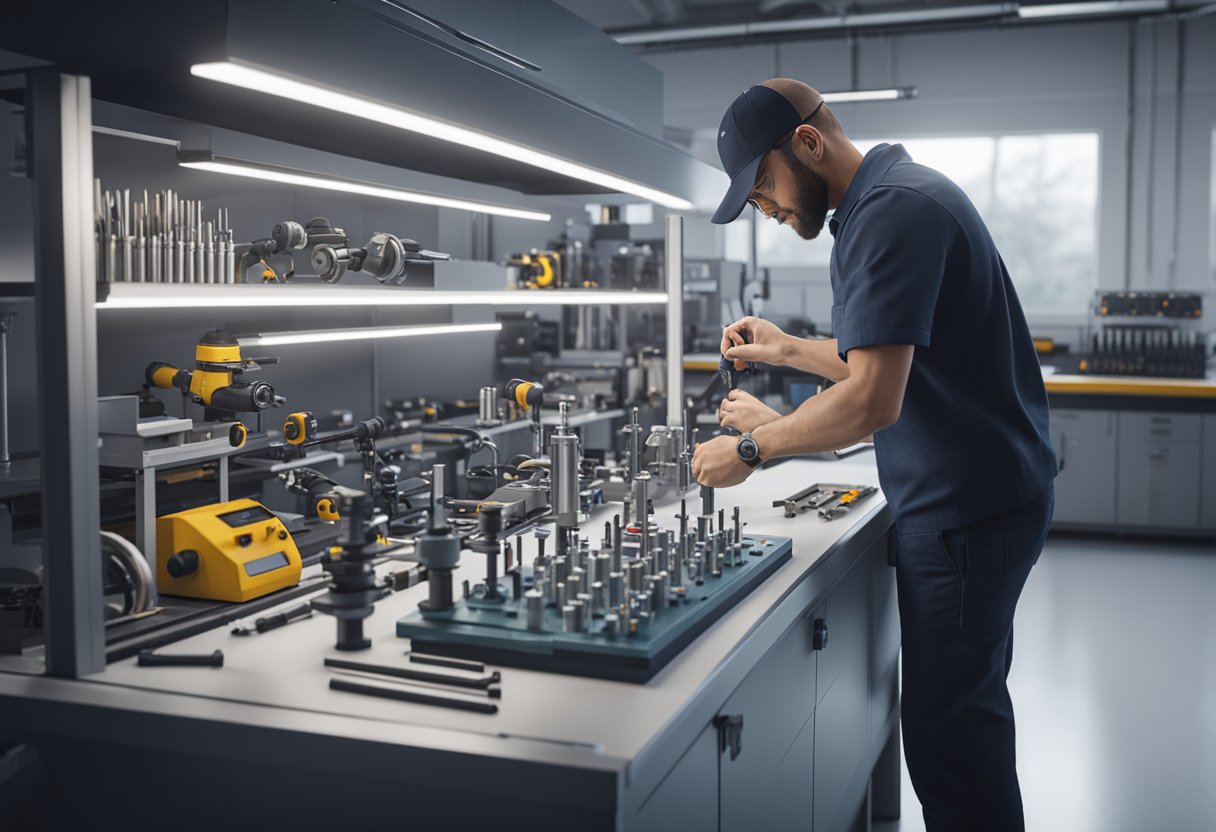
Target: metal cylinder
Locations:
point(634, 573)
point(569, 619)
point(602, 567)
point(561, 569)
point(616, 589)
point(673, 276)
point(641, 502)
point(707, 500)
point(655, 590)
point(576, 582)
point(487, 406)
point(439, 515)
point(599, 597)
point(585, 612)
point(563, 477)
point(612, 624)
point(560, 596)
point(534, 601)
point(665, 588)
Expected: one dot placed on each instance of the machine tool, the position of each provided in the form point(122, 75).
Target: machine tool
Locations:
point(286, 237)
point(233, 551)
point(827, 500)
point(528, 396)
point(621, 607)
point(384, 256)
point(536, 270)
point(217, 360)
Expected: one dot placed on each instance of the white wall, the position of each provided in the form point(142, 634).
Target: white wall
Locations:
point(1118, 78)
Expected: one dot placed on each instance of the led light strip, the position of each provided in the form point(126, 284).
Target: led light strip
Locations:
point(241, 75)
point(351, 186)
point(188, 296)
point(853, 96)
point(320, 336)
point(1092, 8)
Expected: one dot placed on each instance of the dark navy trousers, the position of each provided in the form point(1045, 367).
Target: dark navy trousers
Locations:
point(957, 593)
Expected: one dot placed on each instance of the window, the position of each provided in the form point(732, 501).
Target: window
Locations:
point(1037, 193)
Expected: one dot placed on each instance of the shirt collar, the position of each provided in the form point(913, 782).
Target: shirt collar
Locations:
point(874, 167)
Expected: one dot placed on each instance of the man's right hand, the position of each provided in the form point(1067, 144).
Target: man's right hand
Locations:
point(769, 345)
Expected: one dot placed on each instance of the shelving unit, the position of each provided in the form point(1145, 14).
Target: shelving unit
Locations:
point(192, 295)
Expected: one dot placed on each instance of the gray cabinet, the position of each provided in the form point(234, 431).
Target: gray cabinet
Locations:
point(1207, 488)
point(843, 712)
point(671, 806)
point(1086, 447)
point(1159, 465)
point(769, 785)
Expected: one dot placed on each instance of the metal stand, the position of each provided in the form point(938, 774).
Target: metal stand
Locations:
point(6, 326)
point(61, 155)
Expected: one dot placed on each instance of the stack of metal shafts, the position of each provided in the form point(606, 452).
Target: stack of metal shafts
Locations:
point(638, 571)
point(163, 239)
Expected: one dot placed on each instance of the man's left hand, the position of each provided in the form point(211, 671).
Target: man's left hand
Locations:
point(716, 463)
point(744, 412)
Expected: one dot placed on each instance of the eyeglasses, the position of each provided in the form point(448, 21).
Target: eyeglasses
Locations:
point(751, 200)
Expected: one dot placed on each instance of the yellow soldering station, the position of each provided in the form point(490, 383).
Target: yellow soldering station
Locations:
point(233, 551)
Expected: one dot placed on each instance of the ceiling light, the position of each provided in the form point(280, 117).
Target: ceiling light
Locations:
point(852, 96)
point(320, 336)
point(248, 296)
point(242, 75)
point(1101, 7)
point(270, 173)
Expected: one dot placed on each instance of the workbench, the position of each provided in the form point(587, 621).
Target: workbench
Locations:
point(1137, 455)
point(750, 727)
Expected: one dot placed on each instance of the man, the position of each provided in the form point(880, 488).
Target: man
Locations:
point(933, 356)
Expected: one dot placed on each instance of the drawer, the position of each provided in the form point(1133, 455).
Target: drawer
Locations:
point(1161, 427)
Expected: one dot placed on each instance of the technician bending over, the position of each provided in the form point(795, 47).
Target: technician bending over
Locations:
point(934, 357)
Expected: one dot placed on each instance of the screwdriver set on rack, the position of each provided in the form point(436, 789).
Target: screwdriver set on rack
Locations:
point(1147, 334)
point(163, 238)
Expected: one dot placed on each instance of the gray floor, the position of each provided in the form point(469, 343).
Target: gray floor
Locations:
point(1114, 682)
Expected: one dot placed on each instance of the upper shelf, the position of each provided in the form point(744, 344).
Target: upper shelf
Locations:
point(196, 295)
point(378, 53)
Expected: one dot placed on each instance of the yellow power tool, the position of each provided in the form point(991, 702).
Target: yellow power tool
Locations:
point(233, 551)
point(538, 269)
point(217, 361)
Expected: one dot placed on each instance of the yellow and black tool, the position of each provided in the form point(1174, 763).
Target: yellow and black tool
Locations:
point(233, 551)
point(237, 434)
point(526, 394)
point(300, 427)
point(217, 360)
point(538, 269)
point(323, 494)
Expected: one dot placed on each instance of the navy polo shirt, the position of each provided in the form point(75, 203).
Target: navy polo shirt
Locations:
point(913, 263)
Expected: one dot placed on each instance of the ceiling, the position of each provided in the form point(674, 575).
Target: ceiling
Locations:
point(630, 15)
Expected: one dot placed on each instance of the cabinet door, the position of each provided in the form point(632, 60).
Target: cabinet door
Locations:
point(1207, 494)
point(770, 784)
point(1087, 451)
point(688, 796)
point(842, 717)
point(1159, 462)
point(884, 640)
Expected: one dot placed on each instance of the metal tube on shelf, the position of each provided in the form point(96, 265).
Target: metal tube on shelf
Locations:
point(673, 274)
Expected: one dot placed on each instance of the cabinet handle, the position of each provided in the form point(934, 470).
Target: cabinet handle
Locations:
point(819, 640)
point(730, 733)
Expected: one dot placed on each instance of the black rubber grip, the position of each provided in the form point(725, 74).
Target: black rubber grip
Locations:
point(148, 658)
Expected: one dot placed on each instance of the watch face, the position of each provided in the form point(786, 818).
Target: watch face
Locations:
point(748, 450)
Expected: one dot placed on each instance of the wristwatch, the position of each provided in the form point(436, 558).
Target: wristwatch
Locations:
point(748, 450)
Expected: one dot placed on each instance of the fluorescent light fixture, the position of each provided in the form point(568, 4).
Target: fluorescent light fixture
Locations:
point(1098, 7)
point(853, 96)
point(270, 173)
point(321, 336)
point(248, 296)
point(242, 75)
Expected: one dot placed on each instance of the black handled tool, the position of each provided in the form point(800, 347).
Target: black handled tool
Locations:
point(149, 658)
point(279, 619)
point(410, 696)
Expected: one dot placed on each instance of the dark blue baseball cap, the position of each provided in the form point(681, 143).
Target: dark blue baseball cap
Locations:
point(756, 121)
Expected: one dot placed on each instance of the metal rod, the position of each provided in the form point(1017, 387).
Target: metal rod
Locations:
point(6, 323)
point(673, 272)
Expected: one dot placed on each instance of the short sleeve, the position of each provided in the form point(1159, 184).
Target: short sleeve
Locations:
point(891, 260)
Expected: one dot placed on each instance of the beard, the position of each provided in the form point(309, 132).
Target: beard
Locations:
point(810, 207)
